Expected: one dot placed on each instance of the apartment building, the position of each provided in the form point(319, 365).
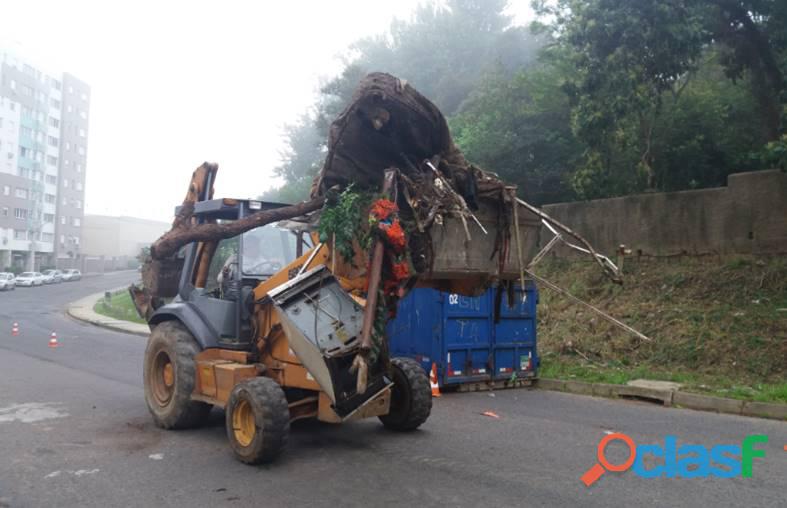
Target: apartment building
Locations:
point(43, 151)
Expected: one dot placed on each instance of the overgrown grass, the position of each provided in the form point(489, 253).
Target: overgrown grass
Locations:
point(718, 325)
point(119, 307)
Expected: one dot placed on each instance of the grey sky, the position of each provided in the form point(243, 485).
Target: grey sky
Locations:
point(174, 83)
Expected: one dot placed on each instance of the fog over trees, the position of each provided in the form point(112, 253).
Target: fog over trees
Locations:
point(596, 98)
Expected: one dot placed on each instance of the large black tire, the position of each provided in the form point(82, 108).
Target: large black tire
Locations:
point(257, 420)
point(169, 374)
point(411, 397)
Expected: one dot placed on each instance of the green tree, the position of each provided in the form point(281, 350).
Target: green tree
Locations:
point(520, 128)
point(631, 57)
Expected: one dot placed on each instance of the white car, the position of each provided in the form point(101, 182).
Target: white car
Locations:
point(72, 274)
point(29, 279)
point(7, 281)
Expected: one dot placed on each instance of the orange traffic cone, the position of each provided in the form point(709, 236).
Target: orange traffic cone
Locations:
point(53, 340)
point(15, 329)
point(433, 381)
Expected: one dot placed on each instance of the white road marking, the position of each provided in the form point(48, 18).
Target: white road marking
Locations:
point(156, 456)
point(52, 474)
point(31, 412)
point(81, 472)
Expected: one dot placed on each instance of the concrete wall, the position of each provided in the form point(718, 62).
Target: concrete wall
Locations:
point(749, 216)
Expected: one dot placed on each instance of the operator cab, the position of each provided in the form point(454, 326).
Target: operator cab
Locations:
point(215, 293)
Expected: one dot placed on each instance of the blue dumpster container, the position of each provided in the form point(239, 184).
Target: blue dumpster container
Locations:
point(462, 337)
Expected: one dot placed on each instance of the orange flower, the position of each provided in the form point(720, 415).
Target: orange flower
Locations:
point(394, 233)
point(383, 208)
point(401, 270)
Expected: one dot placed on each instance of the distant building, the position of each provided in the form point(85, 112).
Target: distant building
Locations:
point(118, 239)
point(43, 153)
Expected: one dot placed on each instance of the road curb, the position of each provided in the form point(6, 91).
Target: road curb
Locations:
point(669, 398)
point(82, 310)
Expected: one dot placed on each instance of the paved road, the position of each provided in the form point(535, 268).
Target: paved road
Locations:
point(74, 431)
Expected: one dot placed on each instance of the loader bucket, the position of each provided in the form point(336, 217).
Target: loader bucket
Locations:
point(323, 326)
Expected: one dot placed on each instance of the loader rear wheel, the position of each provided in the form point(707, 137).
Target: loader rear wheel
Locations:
point(169, 375)
point(411, 396)
point(257, 420)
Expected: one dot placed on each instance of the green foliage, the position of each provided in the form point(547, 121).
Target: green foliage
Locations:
point(520, 128)
point(120, 306)
point(341, 221)
point(774, 154)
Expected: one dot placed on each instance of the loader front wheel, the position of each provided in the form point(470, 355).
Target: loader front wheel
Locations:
point(411, 396)
point(257, 420)
point(169, 376)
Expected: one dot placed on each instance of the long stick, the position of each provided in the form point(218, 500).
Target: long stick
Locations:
point(520, 259)
point(598, 311)
point(360, 362)
point(614, 276)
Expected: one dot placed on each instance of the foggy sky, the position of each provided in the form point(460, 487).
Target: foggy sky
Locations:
point(174, 83)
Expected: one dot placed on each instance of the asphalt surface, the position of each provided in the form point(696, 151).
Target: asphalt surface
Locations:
point(74, 431)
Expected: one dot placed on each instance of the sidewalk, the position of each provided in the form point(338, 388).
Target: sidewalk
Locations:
point(82, 310)
point(668, 394)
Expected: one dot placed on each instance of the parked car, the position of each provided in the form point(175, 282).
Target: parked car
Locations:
point(72, 274)
point(53, 276)
point(30, 279)
point(7, 281)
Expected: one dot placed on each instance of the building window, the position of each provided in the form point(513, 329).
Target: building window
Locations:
point(20, 234)
point(51, 160)
point(79, 186)
point(48, 237)
point(68, 145)
point(54, 103)
point(77, 222)
point(24, 172)
point(82, 133)
point(5, 211)
point(78, 204)
point(63, 220)
point(65, 183)
point(54, 122)
point(26, 131)
point(6, 190)
point(56, 84)
point(49, 218)
point(64, 202)
point(62, 239)
point(49, 198)
point(52, 141)
point(83, 114)
point(20, 213)
point(21, 193)
point(79, 168)
point(51, 179)
point(81, 150)
point(25, 152)
point(70, 89)
point(69, 109)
